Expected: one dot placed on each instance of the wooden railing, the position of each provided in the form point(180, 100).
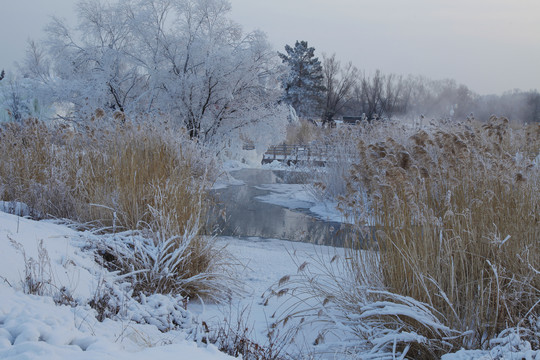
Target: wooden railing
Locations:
point(294, 154)
point(316, 153)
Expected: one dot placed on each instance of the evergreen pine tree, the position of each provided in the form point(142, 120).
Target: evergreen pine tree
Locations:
point(303, 84)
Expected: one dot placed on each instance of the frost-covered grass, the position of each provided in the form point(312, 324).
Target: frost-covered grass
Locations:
point(115, 176)
point(456, 214)
point(107, 173)
point(187, 264)
point(454, 256)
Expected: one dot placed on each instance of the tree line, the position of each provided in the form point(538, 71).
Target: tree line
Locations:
point(188, 60)
point(328, 89)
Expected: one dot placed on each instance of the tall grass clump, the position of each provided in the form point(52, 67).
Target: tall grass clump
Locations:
point(333, 146)
point(301, 133)
point(119, 176)
point(457, 215)
point(451, 253)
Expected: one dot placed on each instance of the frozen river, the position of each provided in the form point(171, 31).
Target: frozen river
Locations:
point(246, 215)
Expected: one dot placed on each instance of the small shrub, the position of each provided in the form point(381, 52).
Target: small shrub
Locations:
point(188, 265)
point(38, 278)
point(106, 301)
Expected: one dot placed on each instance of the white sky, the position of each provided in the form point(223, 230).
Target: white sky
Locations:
point(489, 45)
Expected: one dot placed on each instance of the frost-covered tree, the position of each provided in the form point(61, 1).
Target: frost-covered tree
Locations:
point(92, 66)
point(339, 82)
point(380, 96)
point(182, 58)
point(303, 84)
point(218, 79)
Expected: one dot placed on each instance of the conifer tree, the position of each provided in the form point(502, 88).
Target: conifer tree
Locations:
point(303, 84)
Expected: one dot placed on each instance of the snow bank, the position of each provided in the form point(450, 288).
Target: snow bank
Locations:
point(36, 327)
point(33, 327)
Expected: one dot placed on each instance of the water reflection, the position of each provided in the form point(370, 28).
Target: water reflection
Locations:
point(247, 217)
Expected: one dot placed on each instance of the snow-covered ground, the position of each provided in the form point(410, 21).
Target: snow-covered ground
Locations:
point(262, 263)
point(37, 327)
point(34, 327)
point(52, 326)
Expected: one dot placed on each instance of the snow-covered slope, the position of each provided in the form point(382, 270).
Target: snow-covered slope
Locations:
point(47, 258)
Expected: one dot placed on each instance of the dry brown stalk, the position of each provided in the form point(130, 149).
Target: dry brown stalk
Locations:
point(111, 174)
point(460, 207)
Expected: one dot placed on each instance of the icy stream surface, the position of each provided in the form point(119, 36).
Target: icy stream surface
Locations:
point(274, 204)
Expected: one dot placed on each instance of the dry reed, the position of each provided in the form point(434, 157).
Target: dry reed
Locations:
point(115, 176)
point(457, 214)
point(450, 255)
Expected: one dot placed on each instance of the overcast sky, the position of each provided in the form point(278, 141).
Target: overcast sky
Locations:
point(489, 45)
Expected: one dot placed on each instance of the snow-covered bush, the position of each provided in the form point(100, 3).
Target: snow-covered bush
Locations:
point(165, 312)
point(186, 264)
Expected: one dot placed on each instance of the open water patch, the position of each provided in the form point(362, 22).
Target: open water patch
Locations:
point(245, 211)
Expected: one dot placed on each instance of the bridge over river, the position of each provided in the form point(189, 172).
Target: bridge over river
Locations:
point(293, 154)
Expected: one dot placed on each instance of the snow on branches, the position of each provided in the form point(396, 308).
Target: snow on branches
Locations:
point(182, 58)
